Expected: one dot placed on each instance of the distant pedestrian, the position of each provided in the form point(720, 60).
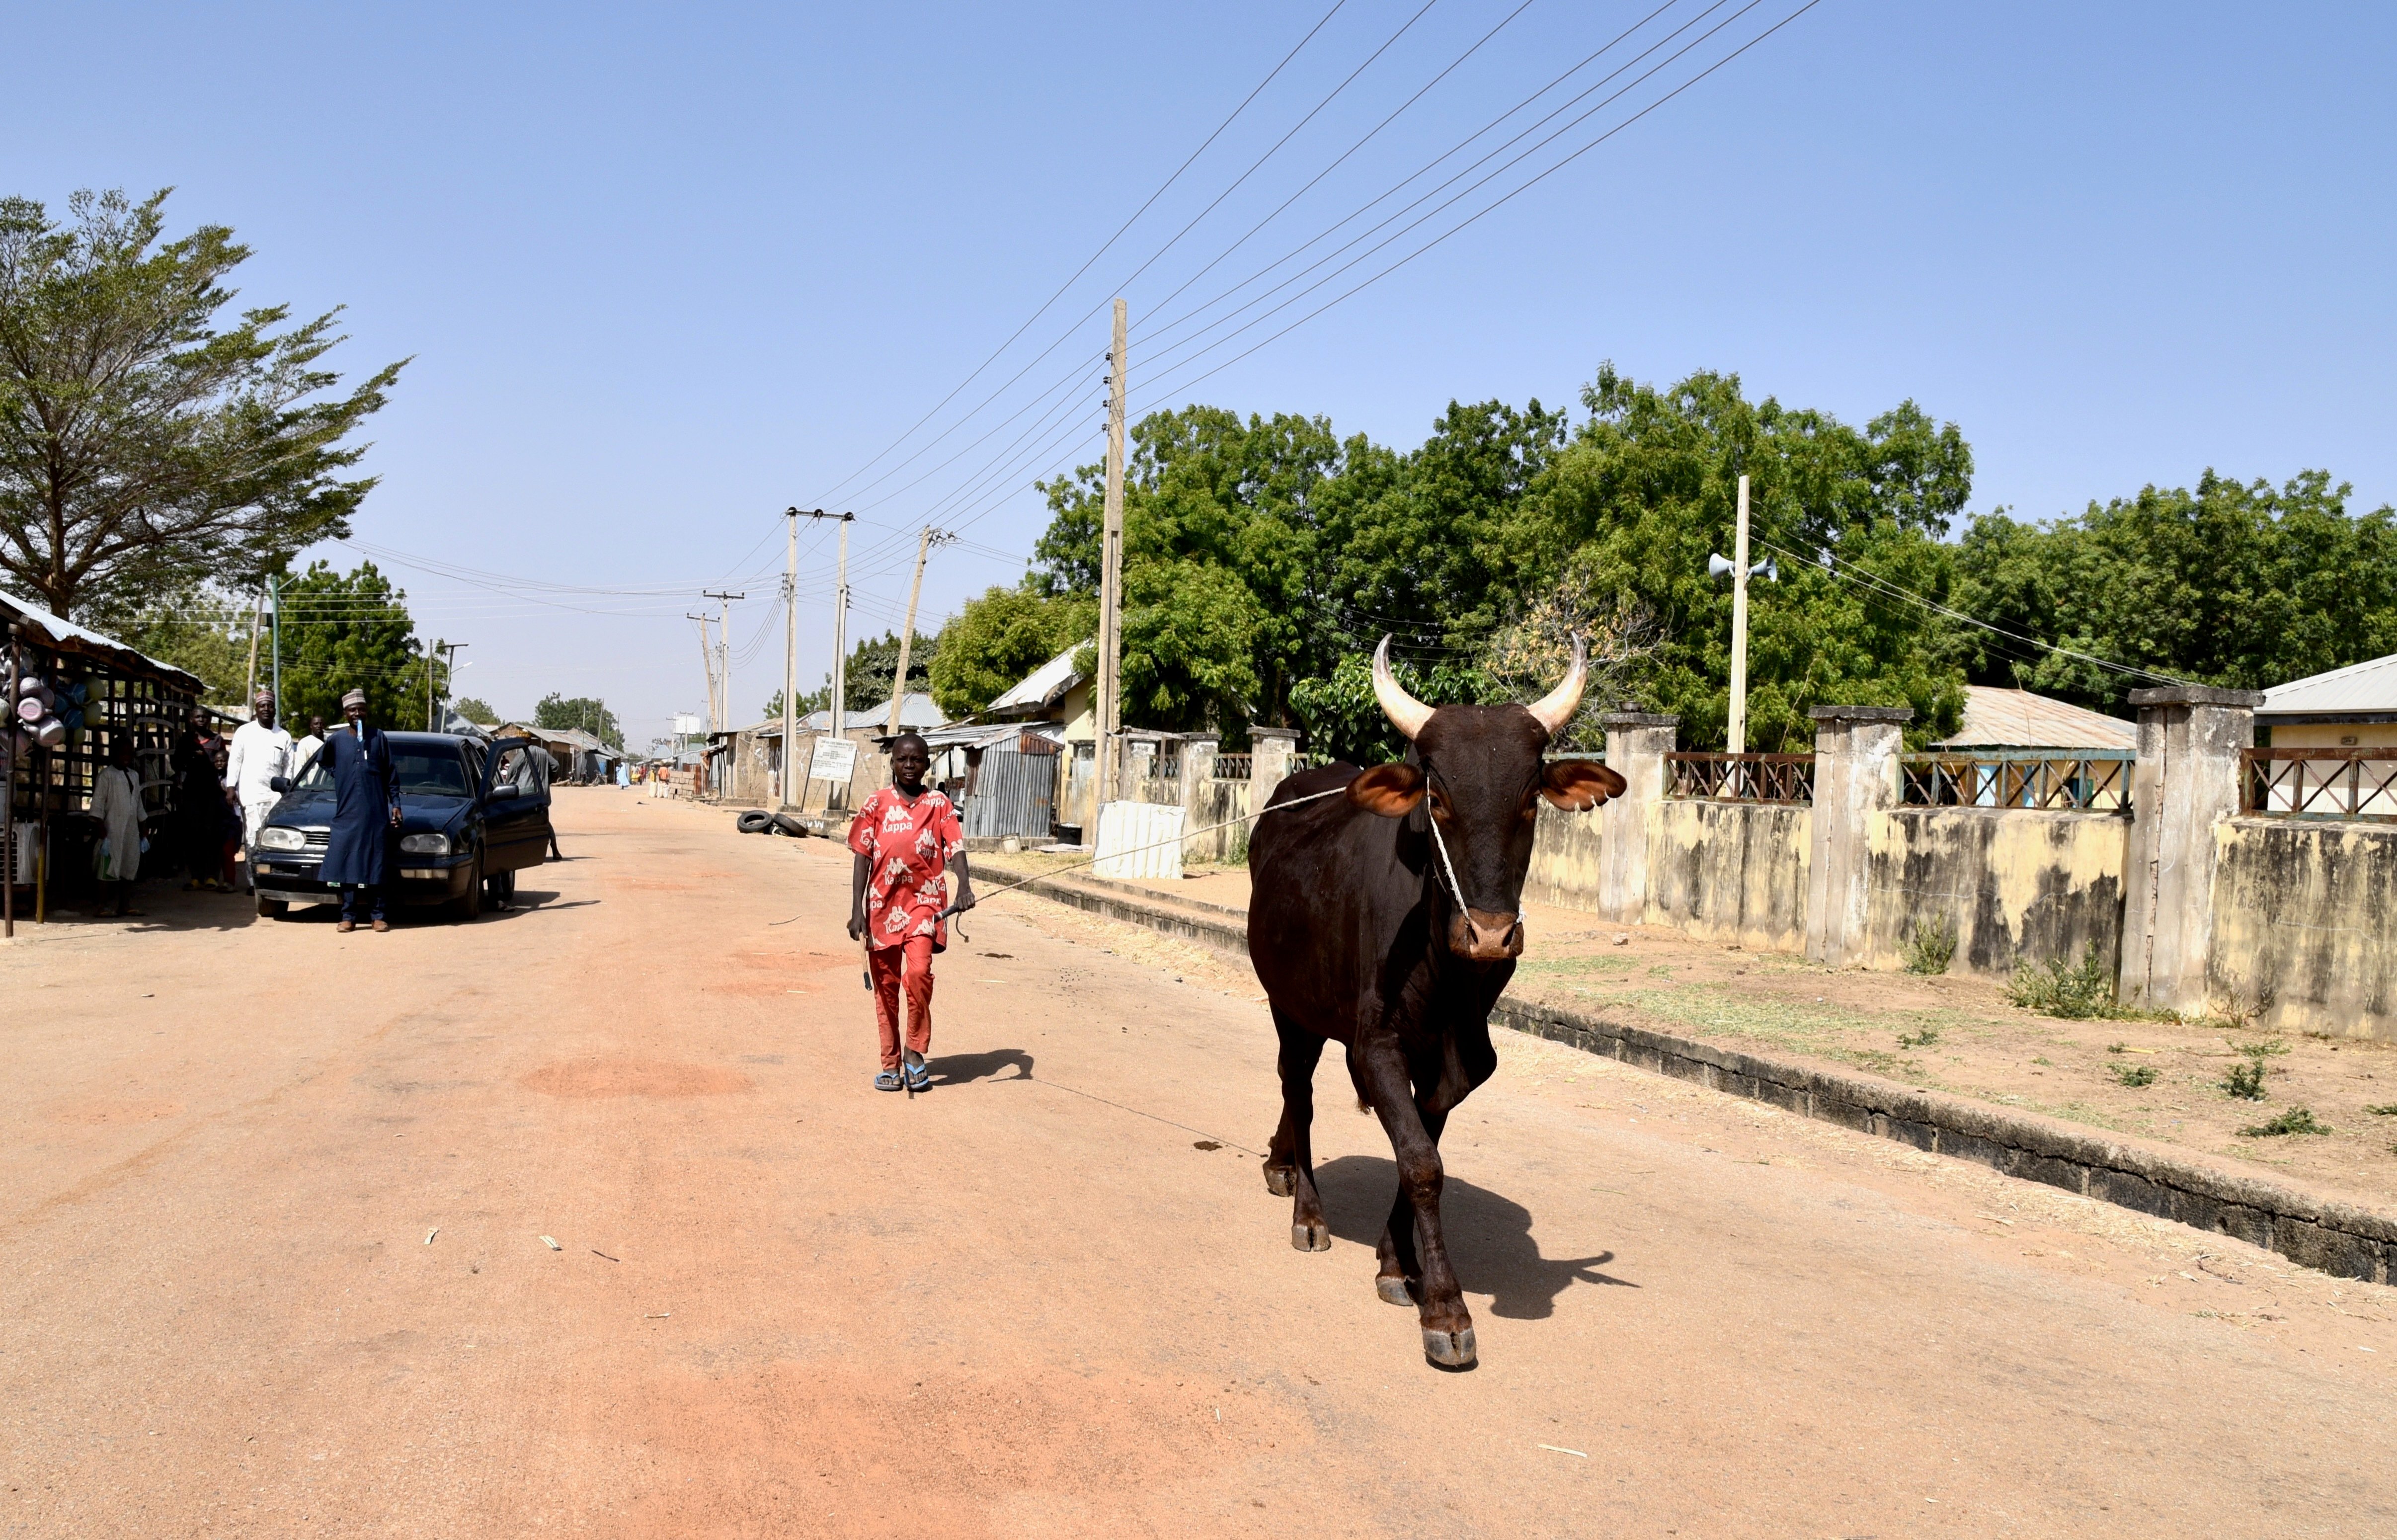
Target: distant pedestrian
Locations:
point(260, 751)
point(907, 840)
point(531, 773)
point(304, 751)
point(366, 809)
point(228, 816)
point(199, 805)
point(116, 802)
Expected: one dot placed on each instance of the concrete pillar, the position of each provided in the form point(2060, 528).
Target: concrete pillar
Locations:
point(1856, 780)
point(1270, 750)
point(1198, 769)
point(1636, 746)
point(2187, 778)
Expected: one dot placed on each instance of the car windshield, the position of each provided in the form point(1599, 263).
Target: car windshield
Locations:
point(429, 770)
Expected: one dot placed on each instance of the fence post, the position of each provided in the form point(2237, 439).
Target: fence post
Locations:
point(1856, 780)
point(1197, 771)
point(1636, 746)
point(1270, 750)
point(2186, 779)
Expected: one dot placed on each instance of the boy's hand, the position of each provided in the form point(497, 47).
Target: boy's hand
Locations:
point(965, 899)
point(856, 927)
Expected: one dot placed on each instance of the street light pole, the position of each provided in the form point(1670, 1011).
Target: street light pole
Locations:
point(1739, 628)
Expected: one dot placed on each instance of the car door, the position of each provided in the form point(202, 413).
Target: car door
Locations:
point(515, 808)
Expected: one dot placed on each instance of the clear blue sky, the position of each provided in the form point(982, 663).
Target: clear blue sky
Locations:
point(663, 271)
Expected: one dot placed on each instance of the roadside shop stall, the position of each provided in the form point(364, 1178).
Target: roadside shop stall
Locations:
point(71, 693)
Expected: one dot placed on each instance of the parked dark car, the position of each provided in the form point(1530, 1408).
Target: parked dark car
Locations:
point(471, 816)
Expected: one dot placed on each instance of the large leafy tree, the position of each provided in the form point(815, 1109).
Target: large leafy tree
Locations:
point(872, 664)
point(345, 631)
point(999, 639)
point(198, 629)
point(2237, 584)
point(1647, 490)
point(586, 712)
point(146, 443)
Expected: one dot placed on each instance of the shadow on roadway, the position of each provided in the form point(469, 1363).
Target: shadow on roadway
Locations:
point(1490, 1239)
point(957, 1070)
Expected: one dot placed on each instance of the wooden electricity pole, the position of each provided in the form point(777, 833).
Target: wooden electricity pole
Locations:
point(840, 625)
point(1110, 705)
point(257, 616)
point(722, 674)
point(924, 544)
point(790, 653)
point(1739, 628)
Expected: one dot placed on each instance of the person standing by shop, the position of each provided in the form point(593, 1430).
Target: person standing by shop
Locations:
point(261, 751)
point(116, 802)
point(199, 805)
point(908, 841)
point(366, 809)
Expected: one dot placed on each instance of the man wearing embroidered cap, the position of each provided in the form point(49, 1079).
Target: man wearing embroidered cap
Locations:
point(366, 809)
point(261, 751)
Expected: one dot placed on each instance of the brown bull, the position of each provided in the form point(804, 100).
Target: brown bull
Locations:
point(1388, 920)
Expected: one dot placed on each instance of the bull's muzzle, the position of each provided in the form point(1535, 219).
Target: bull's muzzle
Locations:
point(1480, 936)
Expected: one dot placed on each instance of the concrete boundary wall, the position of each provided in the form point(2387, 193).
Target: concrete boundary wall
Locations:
point(1733, 872)
point(2305, 925)
point(2016, 884)
point(2333, 1235)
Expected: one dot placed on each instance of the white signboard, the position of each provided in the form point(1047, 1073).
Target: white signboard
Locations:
point(686, 723)
point(835, 760)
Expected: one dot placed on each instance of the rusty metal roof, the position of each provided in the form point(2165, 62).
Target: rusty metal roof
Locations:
point(64, 636)
point(2357, 689)
point(1996, 717)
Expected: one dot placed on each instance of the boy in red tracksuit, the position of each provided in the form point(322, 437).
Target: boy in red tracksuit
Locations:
point(906, 838)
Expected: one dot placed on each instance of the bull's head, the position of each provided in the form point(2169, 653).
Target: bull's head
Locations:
point(1481, 772)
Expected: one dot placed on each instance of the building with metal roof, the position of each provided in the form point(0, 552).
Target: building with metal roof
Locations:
point(2350, 707)
point(2000, 719)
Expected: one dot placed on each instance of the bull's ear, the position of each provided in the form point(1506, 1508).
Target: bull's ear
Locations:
point(1578, 786)
point(1390, 790)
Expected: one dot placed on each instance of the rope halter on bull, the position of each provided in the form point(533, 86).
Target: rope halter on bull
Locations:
point(1409, 715)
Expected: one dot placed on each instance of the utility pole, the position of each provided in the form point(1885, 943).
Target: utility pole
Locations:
point(1110, 712)
point(924, 544)
point(840, 626)
point(791, 653)
point(707, 665)
point(723, 675)
point(449, 673)
point(257, 614)
point(275, 632)
point(431, 661)
point(1739, 628)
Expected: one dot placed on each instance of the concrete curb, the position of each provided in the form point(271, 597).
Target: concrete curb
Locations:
point(2338, 1237)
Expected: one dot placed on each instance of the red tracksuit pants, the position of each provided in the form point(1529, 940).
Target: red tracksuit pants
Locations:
point(910, 964)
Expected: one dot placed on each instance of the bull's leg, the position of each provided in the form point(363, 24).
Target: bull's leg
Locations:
point(1401, 1272)
point(1289, 1158)
point(1447, 1324)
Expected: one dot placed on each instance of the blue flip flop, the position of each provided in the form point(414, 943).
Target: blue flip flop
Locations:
point(888, 1080)
point(919, 1075)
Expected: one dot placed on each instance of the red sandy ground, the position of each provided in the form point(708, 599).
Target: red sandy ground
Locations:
point(1032, 1301)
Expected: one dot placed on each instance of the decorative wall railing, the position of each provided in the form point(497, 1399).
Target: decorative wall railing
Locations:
point(1231, 767)
point(2360, 783)
point(1742, 777)
point(2097, 781)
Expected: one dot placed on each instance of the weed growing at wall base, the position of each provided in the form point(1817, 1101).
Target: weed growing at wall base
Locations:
point(2076, 992)
point(1932, 947)
point(2245, 1081)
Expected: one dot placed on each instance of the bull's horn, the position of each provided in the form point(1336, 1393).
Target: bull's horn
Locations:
point(1407, 713)
point(1557, 709)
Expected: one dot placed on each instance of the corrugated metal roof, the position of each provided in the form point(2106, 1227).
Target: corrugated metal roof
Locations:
point(1996, 717)
point(2358, 687)
point(917, 711)
point(64, 635)
point(1043, 687)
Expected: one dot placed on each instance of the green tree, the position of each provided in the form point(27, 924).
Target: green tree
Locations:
point(199, 629)
point(1646, 490)
point(143, 445)
point(868, 679)
point(2236, 585)
point(349, 631)
point(999, 639)
point(813, 700)
point(584, 712)
point(476, 711)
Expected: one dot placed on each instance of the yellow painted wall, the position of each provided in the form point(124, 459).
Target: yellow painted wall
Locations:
point(2331, 735)
point(1733, 872)
point(1565, 849)
point(2017, 884)
point(2305, 925)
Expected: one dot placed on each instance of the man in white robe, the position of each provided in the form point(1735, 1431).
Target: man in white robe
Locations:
point(260, 751)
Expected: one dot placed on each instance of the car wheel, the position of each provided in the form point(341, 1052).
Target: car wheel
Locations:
point(468, 906)
point(273, 908)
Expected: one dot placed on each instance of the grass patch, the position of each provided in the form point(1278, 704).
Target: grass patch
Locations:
point(2290, 1121)
point(2118, 1048)
point(1932, 947)
point(2075, 991)
point(2134, 1076)
point(1921, 1036)
point(2386, 1109)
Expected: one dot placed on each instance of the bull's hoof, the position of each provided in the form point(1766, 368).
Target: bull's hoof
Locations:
point(1450, 1350)
point(1393, 1290)
point(1280, 1180)
point(1311, 1238)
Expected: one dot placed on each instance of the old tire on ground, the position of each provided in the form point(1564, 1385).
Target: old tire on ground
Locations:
point(272, 908)
point(755, 820)
point(785, 824)
point(468, 905)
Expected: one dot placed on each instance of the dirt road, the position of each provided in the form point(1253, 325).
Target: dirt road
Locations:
point(273, 1204)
